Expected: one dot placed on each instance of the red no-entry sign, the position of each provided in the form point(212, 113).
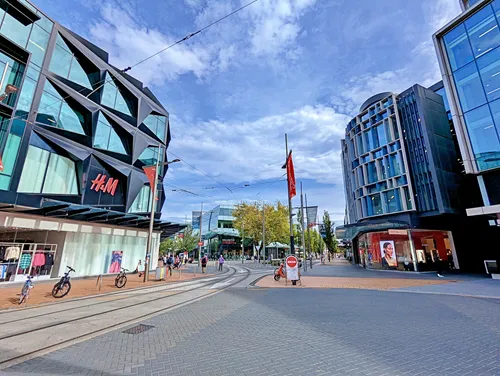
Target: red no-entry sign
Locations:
point(292, 268)
point(291, 261)
point(200, 243)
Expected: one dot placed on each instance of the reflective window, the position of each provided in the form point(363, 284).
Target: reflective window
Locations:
point(458, 47)
point(141, 202)
point(67, 65)
point(54, 111)
point(112, 97)
point(361, 149)
point(9, 159)
point(106, 137)
point(37, 44)
point(48, 173)
point(482, 28)
point(380, 135)
point(44, 22)
point(368, 140)
point(157, 124)
point(15, 30)
point(469, 87)
point(26, 96)
point(13, 72)
point(150, 155)
point(374, 205)
point(489, 67)
point(484, 137)
point(393, 201)
point(372, 172)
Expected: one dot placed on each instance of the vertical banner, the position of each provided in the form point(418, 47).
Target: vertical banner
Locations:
point(292, 189)
point(116, 262)
point(150, 172)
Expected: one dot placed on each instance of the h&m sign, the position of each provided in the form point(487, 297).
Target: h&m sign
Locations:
point(102, 183)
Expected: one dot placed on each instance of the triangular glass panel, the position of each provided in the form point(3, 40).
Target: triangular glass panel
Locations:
point(65, 64)
point(106, 137)
point(112, 97)
point(157, 124)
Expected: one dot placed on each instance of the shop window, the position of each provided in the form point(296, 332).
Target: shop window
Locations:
point(141, 203)
point(48, 172)
point(66, 64)
point(157, 124)
point(106, 137)
point(55, 112)
point(113, 97)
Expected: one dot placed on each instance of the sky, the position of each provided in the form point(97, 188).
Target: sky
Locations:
point(301, 67)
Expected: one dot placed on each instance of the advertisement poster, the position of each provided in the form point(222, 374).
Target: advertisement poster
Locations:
point(116, 262)
point(388, 254)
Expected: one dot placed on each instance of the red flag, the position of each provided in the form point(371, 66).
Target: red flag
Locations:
point(290, 173)
point(150, 173)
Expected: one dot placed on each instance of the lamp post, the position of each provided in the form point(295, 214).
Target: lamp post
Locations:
point(154, 189)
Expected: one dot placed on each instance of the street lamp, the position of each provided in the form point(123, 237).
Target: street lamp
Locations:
point(152, 213)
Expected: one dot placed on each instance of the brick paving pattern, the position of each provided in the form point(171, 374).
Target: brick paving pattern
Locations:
point(297, 332)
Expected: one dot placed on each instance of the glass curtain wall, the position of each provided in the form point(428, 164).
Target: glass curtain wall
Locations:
point(473, 50)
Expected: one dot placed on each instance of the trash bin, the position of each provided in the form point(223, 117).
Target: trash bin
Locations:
point(161, 273)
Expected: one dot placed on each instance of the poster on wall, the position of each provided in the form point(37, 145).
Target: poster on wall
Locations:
point(388, 254)
point(116, 262)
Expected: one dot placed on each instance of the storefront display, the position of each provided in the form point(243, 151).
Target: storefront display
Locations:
point(17, 260)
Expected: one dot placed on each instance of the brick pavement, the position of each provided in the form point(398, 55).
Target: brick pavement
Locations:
point(297, 332)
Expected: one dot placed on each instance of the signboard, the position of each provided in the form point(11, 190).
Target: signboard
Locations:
point(398, 232)
point(116, 262)
point(101, 184)
point(228, 241)
point(200, 244)
point(292, 268)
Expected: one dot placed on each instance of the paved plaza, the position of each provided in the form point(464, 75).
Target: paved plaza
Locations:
point(252, 331)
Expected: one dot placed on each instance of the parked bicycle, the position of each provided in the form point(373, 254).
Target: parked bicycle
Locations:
point(25, 291)
point(280, 272)
point(62, 288)
point(121, 278)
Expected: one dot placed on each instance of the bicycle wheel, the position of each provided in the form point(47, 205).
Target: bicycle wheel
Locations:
point(61, 289)
point(120, 281)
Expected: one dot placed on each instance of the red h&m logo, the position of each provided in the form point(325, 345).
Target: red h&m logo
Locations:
point(100, 184)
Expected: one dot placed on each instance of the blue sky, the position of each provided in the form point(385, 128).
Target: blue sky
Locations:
point(296, 66)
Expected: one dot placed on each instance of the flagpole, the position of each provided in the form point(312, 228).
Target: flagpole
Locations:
point(292, 245)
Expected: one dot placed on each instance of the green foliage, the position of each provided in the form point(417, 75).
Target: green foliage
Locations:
point(180, 244)
point(330, 241)
point(248, 220)
point(316, 244)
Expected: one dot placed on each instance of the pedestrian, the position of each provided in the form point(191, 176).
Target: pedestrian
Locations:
point(439, 268)
point(221, 262)
point(204, 261)
point(170, 261)
point(329, 257)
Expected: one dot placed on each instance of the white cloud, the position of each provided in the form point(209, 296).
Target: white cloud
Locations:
point(250, 151)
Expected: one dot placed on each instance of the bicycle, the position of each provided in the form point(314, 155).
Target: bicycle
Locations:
point(279, 272)
point(121, 279)
point(25, 291)
point(62, 288)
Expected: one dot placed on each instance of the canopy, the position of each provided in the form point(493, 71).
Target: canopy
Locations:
point(277, 245)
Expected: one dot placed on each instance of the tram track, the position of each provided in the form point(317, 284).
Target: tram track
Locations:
point(52, 333)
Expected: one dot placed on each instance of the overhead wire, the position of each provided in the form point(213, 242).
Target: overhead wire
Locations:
point(123, 71)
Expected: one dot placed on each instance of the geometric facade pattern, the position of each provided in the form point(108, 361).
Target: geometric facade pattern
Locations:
point(85, 128)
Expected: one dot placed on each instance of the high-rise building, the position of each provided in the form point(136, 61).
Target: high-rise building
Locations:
point(469, 58)
point(75, 133)
point(402, 174)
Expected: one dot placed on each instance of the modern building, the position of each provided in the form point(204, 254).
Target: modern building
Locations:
point(218, 234)
point(402, 173)
point(469, 58)
point(75, 133)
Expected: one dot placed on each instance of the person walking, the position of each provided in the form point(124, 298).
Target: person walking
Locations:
point(439, 267)
point(204, 261)
point(170, 261)
point(221, 262)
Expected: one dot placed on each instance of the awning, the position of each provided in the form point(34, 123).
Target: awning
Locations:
point(352, 231)
point(86, 213)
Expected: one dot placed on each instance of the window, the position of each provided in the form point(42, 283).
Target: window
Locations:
point(157, 124)
point(9, 159)
point(15, 30)
point(489, 68)
point(67, 65)
point(483, 31)
point(469, 87)
point(112, 97)
point(484, 137)
point(368, 140)
point(55, 112)
point(408, 198)
point(374, 205)
point(37, 44)
point(141, 202)
point(361, 149)
point(150, 155)
point(372, 172)
point(458, 47)
point(393, 201)
point(106, 137)
point(48, 172)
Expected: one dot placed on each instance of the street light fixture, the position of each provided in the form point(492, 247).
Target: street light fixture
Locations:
point(154, 189)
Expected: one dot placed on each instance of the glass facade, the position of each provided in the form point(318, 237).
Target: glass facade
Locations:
point(106, 137)
point(473, 50)
point(113, 97)
point(157, 124)
point(141, 203)
point(377, 169)
point(48, 172)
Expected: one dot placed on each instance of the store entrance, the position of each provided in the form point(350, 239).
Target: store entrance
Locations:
point(433, 250)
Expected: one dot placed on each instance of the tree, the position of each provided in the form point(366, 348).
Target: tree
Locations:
point(330, 241)
point(169, 245)
point(188, 241)
point(248, 221)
